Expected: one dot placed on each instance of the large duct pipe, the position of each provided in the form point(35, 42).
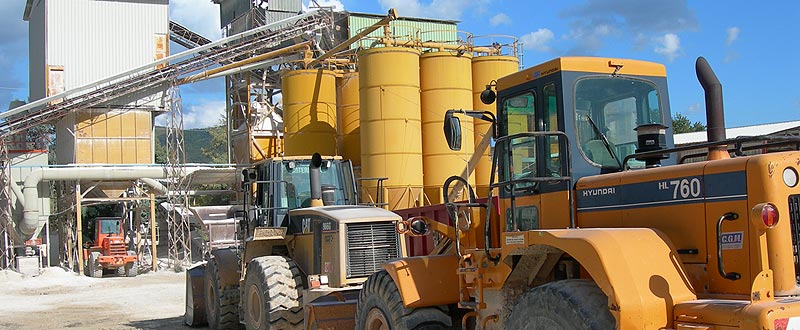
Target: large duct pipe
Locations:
point(314, 180)
point(30, 219)
point(715, 116)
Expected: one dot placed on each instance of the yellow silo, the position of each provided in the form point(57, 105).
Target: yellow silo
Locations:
point(309, 112)
point(391, 142)
point(348, 115)
point(484, 70)
point(445, 81)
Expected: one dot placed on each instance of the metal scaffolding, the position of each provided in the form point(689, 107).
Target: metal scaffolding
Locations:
point(180, 250)
point(6, 223)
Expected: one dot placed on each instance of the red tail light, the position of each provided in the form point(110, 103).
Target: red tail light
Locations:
point(769, 215)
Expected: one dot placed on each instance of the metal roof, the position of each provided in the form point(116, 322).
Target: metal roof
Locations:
point(754, 130)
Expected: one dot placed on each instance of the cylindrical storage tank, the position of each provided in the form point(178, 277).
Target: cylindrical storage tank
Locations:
point(444, 84)
point(309, 112)
point(391, 141)
point(484, 70)
point(347, 108)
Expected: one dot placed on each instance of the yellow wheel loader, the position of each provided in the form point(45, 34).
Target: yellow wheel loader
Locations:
point(305, 248)
point(592, 222)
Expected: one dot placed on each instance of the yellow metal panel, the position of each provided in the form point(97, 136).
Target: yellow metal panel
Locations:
point(114, 151)
point(391, 141)
point(600, 65)
point(128, 123)
point(144, 151)
point(425, 281)
point(445, 83)
point(349, 116)
point(83, 123)
point(639, 297)
point(83, 151)
point(114, 123)
point(99, 151)
point(144, 124)
point(99, 128)
point(486, 69)
point(129, 151)
point(309, 112)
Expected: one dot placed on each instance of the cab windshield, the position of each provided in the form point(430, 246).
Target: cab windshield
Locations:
point(607, 110)
point(110, 226)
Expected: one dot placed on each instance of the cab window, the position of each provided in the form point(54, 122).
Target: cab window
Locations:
point(607, 110)
point(518, 156)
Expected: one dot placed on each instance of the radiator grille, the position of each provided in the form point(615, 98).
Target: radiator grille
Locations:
point(794, 219)
point(369, 245)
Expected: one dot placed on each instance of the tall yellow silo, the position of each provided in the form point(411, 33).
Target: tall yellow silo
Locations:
point(391, 142)
point(348, 115)
point(309, 112)
point(445, 83)
point(484, 70)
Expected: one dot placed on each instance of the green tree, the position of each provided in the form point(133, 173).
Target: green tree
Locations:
point(682, 124)
point(217, 149)
point(161, 152)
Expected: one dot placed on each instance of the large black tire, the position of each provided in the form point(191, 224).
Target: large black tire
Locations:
point(273, 294)
point(94, 266)
point(222, 303)
point(132, 268)
point(381, 308)
point(567, 305)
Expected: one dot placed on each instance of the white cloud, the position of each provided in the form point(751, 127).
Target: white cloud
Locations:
point(500, 19)
point(199, 16)
point(438, 9)
point(733, 34)
point(203, 115)
point(695, 108)
point(537, 40)
point(668, 46)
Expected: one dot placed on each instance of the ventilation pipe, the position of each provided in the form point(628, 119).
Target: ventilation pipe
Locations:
point(30, 193)
point(314, 180)
point(715, 116)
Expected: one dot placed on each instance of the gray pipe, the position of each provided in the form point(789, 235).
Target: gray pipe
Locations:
point(157, 186)
point(30, 219)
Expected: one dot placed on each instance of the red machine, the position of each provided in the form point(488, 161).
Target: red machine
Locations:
point(109, 250)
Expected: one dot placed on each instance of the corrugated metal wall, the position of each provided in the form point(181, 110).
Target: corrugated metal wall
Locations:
point(403, 29)
point(97, 39)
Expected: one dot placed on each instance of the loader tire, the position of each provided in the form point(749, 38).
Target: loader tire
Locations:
point(132, 269)
point(380, 307)
point(222, 303)
point(273, 294)
point(567, 305)
point(94, 266)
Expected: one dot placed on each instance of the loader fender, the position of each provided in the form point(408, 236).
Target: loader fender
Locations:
point(195, 315)
point(228, 266)
point(637, 268)
point(425, 280)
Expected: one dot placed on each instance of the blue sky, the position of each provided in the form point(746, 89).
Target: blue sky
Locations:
point(752, 47)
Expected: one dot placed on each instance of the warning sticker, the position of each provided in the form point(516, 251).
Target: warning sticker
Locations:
point(732, 241)
point(515, 240)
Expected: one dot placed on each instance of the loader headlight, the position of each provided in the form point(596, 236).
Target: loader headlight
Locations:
point(790, 177)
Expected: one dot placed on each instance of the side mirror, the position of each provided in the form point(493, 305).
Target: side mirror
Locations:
point(488, 96)
point(452, 131)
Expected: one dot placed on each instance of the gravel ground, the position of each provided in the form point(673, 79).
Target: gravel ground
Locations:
point(58, 299)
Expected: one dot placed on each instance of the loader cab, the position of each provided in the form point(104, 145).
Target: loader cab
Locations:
point(597, 102)
point(107, 227)
point(283, 184)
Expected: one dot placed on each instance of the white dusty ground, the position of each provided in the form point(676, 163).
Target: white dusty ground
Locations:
point(58, 299)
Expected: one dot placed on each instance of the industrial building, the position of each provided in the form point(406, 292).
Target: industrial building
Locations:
point(296, 83)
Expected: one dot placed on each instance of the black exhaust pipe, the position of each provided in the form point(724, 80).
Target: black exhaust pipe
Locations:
point(314, 180)
point(715, 116)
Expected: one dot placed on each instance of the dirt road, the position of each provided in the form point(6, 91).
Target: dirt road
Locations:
point(57, 299)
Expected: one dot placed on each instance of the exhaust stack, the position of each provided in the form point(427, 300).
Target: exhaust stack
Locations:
point(715, 116)
point(314, 180)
